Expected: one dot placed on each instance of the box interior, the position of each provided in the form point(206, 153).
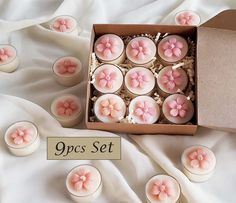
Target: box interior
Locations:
point(134, 29)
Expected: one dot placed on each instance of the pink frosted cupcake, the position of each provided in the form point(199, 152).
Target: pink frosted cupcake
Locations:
point(22, 138)
point(109, 108)
point(84, 183)
point(172, 48)
point(67, 71)
point(144, 110)
point(141, 51)
point(139, 81)
point(187, 18)
point(162, 189)
point(64, 24)
point(67, 110)
point(178, 109)
point(171, 80)
point(109, 48)
point(9, 60)
point(198, 162)
point(108, 78)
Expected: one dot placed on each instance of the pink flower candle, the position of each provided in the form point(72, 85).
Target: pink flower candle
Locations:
point(67, 110)
point(141, 51)
point(84, 183)
point(198, 162)
point(9, 60)
point(139, 81)
point(64, 24)
point(108, 78)
point(22, 138)
point(67, 71)
point(109, 108)
point(171, 80)
point(144, 110)
point(178, 109)
point(110, 48)
point(187, 18)
point(162, 189)
point(172, 49)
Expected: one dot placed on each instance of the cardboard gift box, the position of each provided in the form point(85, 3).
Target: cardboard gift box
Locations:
point(215, 77)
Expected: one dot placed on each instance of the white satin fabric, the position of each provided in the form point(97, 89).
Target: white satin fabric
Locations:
point(27, 93)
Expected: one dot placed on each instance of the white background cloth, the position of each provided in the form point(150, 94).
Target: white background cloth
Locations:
point(27, 94)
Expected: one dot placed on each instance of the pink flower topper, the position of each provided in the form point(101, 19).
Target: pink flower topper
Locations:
point(66, 66)
point(106, 78)
point(82, 180)
point(21, 135)
point(162, 189)
point(200, 158)
point(140, 49)
point(144, 110)
point(63, 24)
point(186, 18)
point(172, 47)
point(172, 79)
point(178, 107)
point(5, 53)
point(67, 107)
point(139, 79)
point(109, 107)
point(108, 46)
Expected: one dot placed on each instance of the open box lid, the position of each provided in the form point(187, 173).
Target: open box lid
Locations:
point(216, 72)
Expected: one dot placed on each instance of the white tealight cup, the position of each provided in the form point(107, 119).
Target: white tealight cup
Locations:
point(198, 163)
point(84, 183)
point(162, 189)
point(22, 138)
point(9, 61)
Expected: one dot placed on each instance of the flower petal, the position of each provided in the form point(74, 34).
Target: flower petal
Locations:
point(172, 104)
point(134, 44)
point(195, 163)
point(182, 113)
point(27, 137)
point(134, 83)
point(170, 85)
point(134, 52)
point(114, 113)
point(166, 45)
point(107, 53)
point(168, 53)
point(114, 49)
point(172, 40)
point(204, 164)
point(110, 84)
point(18, 140)
point(100, 47)
point(75, 178)
point(105, 103)
point(78, 185)
point(180, 100)
point(177, 52)
point(102, 83)
point(193, 155)
point(174, 112)
point(105, 111)
point(155, 190)
point(162, 196)
point(141, 56)
point(134, 75)
point(138, 112)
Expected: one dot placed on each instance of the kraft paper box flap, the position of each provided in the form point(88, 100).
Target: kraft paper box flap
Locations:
point(216, 73)
point(224, 20)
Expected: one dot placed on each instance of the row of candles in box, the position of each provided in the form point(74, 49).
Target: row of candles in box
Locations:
point(84, 182)
point(139, 84)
